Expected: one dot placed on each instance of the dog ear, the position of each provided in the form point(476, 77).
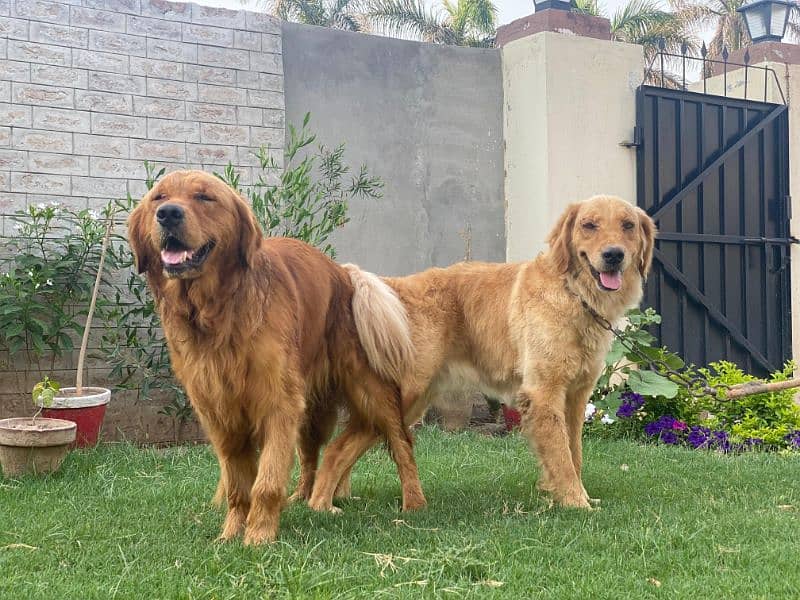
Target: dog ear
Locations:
point(139, 238)
point(250, 233)
point(560, 238)
point(648, 236)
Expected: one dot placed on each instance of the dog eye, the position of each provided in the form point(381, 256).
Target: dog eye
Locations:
point(159, 197)
point(627, 225)
point(589, 225)
point(203, 197)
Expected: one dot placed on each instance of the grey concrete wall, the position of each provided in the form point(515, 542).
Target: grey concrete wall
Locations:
point(428, 120)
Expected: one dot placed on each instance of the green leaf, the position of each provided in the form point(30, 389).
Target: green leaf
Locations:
point(13, 329)
point(648, 383)
point(673, 361)
point(612, 401)
point(616, 353)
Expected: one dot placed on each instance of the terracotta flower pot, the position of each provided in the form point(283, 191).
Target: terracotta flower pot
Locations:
point(87, 410)
point(34, 446)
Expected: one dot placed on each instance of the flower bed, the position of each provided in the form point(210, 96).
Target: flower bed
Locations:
point(758, 422)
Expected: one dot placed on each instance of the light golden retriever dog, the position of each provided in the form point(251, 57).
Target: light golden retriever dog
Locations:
point(261, 334)
point(522, 332)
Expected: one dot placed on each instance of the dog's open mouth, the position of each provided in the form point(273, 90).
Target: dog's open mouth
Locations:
point(178, 258)
point(609, 281)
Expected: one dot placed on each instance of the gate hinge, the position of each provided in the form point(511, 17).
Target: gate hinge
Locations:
point(638, 135)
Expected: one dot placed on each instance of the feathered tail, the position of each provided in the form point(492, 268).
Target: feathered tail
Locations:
point(382, 324)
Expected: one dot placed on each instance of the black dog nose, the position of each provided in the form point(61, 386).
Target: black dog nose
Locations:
point(169, 215)
point(613, 255)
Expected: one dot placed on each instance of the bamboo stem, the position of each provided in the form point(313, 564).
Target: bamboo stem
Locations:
point(92, 304)
point(759, 387)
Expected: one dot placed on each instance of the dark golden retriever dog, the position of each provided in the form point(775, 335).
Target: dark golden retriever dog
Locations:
point(526, 332)
point(262, 336)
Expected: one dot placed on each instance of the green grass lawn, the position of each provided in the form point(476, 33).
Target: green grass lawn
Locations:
point(123, 522)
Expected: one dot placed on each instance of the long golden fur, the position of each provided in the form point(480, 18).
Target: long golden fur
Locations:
point(520, 332)
point(262, 336)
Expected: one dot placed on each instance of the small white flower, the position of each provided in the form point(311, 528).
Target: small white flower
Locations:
point(589, 412)
point(30, 273)
point(606, 420)
point(94, 215)
point(54, 203)
point(41, 206)
point(49, 282)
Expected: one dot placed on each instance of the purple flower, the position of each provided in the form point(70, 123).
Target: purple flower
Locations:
point(625, 411)
point(663, 425)
point(793, 439)
point(669, 437)
point(699, 437)
point(750, 444)
point(631, 402)
point(720, 441)
point(653, 428)
point(633, 399)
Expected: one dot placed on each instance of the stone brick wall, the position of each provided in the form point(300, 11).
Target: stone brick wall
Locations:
point(89, 89)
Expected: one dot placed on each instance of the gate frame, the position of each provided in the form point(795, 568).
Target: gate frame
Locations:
point(779, 111)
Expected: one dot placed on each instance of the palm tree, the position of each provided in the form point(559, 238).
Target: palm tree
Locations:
point(730, 30)
point(793, 28)
point(339, 14)
point(646, 23)
point(466, 23)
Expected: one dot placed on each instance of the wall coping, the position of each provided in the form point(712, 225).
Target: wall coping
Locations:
point(558, 21)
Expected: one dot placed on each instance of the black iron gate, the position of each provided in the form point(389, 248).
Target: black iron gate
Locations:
point(713, 174)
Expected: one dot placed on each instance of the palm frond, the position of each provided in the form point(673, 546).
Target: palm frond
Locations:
point(481, 15)
point(408, 17)
point(587, 7)
point(637, 17)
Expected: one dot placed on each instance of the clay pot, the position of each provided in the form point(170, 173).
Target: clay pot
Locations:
point(87, 410)
point(34, 445)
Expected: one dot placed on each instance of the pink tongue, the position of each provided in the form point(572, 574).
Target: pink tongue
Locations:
point(175, 257)
point(611, 280)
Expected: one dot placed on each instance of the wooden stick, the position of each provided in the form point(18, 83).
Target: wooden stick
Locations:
point(92, 304)
point(759, 387)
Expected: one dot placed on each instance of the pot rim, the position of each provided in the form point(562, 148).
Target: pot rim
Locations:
point(91, 396)
point(61, 432)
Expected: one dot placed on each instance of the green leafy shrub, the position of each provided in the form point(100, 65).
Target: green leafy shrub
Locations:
point(768, 417)
point(627, 368)
point(310, 199)
point(47, 270)
point(657, 405)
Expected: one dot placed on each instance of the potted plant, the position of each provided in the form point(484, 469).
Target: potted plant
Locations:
point(38, 444)
point(83, 405)
point(50, 265)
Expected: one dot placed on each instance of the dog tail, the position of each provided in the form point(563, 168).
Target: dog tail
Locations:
point(382, 324)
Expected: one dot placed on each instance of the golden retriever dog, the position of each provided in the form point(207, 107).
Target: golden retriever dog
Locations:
point(531, 332)
point(262, 336)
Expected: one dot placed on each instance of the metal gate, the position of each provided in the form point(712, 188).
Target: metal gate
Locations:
point(713, 172)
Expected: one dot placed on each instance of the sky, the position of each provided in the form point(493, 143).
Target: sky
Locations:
point(508, 10)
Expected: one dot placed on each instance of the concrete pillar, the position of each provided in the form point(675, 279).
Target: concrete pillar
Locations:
point(568, 103)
